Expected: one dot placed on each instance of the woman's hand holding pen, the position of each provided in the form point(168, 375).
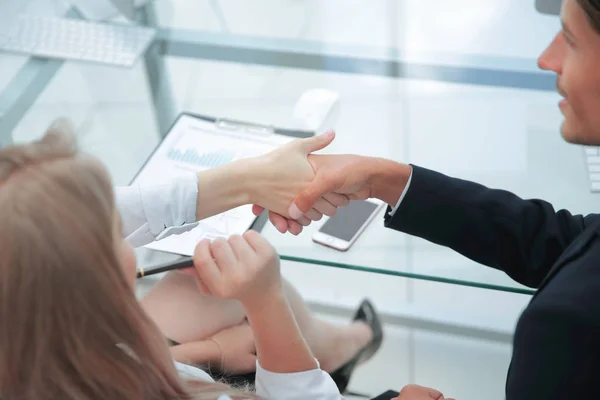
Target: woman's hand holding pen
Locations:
point(244, 268)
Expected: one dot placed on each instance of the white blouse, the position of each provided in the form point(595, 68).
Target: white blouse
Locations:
point(148, 212)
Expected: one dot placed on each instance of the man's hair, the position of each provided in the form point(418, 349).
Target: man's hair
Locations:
point(592, 10)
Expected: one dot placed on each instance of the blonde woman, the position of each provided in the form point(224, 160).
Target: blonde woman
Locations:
point(214, 333)
point(70, 324)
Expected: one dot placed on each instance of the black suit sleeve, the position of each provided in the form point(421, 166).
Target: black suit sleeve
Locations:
point(524, 238)
point(555, 354)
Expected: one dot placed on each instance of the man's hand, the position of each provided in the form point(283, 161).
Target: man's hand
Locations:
point(348, 175)
point(327, 205)
point(355, 177)
point(279, 176)
point(415, 392)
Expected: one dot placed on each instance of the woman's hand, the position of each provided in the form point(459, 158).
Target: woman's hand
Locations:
point(415, 392)
point(232, 350)
point(238, 350)
point(283, 173)
point(244, 268)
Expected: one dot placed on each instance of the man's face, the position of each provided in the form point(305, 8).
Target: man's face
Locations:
point(574, 55)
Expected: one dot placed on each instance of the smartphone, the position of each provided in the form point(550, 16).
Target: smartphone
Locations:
point(341, 231)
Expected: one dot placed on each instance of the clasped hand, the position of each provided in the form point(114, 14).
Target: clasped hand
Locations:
point(283, 174)
point(333, 180)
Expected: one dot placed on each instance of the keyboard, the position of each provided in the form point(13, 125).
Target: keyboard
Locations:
point(78, 40)
point(592, 155)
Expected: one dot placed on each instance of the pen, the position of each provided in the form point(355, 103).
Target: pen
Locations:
point(179, 264)
point(188, 262)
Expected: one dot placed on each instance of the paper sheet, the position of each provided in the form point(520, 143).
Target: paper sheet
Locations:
point(196, 145)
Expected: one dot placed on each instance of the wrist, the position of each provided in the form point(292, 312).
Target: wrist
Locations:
point(257, 173)
point(244, 175)
point(258, 303)
point(387, 179)
point(217, 356)
point(231, 180)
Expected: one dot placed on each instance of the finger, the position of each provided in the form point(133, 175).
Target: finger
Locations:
point(310, 195)
point(205, 266)
point(257, 210)
point(313, 215)
point(325, 207)
point(224, 256)
point(203, 288)
point(188, 271)
point(338, 200)
point(258, 243)
point(241, 248)
point(279, 222)
point(303, 220)
point(294, 227)
point(316, 143)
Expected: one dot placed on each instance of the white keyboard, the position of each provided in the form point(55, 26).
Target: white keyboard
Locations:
point(74, 39)
point(592, 155)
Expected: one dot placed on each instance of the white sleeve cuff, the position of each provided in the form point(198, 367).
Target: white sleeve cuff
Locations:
point(172, 204)
point(401, 196)
point(315, 384)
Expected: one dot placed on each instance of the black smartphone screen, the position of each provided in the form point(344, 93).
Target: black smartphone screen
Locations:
point(348, 220)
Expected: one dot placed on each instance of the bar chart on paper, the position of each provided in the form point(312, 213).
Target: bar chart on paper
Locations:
point(211, 149)
point(211, 159)
point(195, 145)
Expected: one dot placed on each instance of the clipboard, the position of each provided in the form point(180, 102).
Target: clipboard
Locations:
point(257, 132)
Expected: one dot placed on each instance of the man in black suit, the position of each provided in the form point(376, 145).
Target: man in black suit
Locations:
point(556, 352)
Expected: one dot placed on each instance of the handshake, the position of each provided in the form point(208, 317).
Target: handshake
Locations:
point(298, 187)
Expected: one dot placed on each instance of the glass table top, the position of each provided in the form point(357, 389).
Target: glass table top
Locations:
point(501, 133)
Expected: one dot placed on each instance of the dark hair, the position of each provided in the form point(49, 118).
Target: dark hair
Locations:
point(592, 10)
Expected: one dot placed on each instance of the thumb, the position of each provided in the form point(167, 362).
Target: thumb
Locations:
point(317, 143)
point(307, 198)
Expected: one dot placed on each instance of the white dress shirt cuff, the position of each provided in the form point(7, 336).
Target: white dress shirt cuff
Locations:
point(172, 204)
point(401, 196)
point(315, 384)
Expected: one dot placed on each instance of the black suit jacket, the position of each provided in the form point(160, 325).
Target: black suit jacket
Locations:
point(556, 349)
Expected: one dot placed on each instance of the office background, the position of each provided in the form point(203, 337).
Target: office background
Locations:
point(449, 85)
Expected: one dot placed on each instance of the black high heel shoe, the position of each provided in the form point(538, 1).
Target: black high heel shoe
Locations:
point(366, 313)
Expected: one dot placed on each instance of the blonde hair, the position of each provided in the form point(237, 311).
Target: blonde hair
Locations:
point(70, 325)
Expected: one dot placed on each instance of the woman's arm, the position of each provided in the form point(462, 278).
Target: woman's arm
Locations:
point(146, 211)
point(247, 269)
point(272, 181)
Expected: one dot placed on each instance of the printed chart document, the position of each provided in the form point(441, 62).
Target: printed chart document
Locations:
point(194, 144)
